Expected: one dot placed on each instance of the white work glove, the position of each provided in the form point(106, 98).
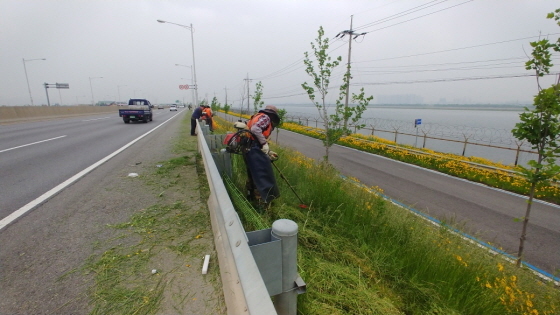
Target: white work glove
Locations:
point(265, 148)
point(273, 155)
point(239, 125)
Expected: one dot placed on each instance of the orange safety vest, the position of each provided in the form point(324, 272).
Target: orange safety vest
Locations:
point(254, 119)
point(206, 112)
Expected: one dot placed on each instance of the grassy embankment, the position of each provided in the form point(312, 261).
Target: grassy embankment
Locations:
point(447, 163)
point(361, 255)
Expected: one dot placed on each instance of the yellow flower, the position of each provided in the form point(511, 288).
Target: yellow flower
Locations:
point(500, 267)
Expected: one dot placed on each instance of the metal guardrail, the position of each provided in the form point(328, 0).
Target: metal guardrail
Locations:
point(244, 289)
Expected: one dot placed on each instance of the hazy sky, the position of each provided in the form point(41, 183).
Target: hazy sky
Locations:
point(431, 49)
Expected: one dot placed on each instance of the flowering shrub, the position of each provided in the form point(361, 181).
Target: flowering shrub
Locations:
point(451, 164)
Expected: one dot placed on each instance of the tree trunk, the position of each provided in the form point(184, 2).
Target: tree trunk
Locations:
point(525, 223)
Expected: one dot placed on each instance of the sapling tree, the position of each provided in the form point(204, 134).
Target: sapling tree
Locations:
point(540, 126)
point(257, 97)
point(215, 105)
point(321, 74)
point(281, 114)
point(345, 113)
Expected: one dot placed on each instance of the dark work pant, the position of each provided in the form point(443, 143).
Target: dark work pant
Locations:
point(193, 126)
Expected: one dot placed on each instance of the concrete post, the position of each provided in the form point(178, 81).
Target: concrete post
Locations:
point(287, 230)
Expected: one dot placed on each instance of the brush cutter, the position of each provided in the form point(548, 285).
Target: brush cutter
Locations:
point(302, 205)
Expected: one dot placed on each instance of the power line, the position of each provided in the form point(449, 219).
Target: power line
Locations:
point(479, 67)
point(282, 72)
point(401, 14)
point(456, 79)
point(444, 64)
point(420, 16)
point(454, 49)
point(491, 77)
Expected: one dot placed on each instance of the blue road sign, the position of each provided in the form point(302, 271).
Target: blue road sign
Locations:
point(417, 122)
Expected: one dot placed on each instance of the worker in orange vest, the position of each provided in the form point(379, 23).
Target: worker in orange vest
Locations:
point(207, 116)
point(259, 157)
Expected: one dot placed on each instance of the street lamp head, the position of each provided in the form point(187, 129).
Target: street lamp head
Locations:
point(160, 21)
point(24, 60)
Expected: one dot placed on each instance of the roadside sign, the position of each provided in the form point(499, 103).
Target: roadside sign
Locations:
point(417, 122)
point(62, 86)
point(184, 87)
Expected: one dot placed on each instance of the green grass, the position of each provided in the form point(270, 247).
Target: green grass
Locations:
point(359, 254)
point(166, 233)
point(447, 163)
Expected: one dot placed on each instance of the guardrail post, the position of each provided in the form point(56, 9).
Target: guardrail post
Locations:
point(517, 154)
point(286, 302)
point(205, 128)
point(465, 146)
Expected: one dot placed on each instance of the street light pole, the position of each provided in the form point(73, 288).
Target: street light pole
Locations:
point(119, 90)
point(91, 88)
point(194, 63)
point(27, 79)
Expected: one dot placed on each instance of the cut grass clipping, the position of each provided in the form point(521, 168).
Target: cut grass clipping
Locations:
point(124, 280)
point(124, 277)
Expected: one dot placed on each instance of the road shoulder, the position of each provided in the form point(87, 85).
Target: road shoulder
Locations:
point(47, 256)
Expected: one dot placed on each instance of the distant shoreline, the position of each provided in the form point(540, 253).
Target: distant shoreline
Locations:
point(493, 107)
point(454, 107)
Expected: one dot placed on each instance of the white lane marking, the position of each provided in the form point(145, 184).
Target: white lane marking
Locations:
point(25, 145)
point(21, 211)
point(97, 118)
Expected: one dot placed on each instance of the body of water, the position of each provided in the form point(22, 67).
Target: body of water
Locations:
point(485, 126)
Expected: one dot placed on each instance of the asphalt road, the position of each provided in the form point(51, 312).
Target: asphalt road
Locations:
point(44, 252)
point(486, 213)
point(35, 157)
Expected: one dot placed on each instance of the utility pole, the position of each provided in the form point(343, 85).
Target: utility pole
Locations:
point(248, 99)
point(352, 36)
point(226, 94)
